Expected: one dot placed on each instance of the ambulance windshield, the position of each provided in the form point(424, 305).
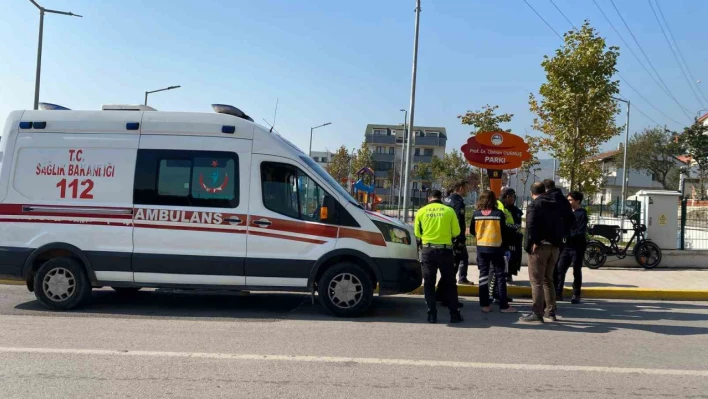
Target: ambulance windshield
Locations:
point(329, 179)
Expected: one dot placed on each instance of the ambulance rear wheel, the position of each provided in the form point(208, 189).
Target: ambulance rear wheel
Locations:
point(126, 290)
point(62, 284)
point(346, 290)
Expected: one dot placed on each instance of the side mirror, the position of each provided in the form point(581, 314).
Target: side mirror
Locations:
point(328, 210)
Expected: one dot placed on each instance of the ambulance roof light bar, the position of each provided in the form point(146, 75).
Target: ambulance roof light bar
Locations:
point(230, 110)
point(52, 107)
point(126, 107)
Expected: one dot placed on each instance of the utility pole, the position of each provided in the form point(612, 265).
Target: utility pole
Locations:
point(624, 164)
point(411, 114)
point(403, 151)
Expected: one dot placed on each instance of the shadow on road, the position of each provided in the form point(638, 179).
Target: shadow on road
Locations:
point(592, 316)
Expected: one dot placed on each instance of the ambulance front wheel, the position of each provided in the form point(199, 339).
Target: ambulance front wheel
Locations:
point(62, 284)
point(345, 290)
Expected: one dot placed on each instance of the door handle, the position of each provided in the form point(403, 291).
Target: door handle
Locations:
point(262, 222)
point(234, 220)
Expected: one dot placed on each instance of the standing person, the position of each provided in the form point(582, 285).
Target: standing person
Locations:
point(435, 226)
point(509, 221)
point(544, 235)
point(517, 238)
point(562, 205)
point(457, 202)
point(489, 227)
point(574, 249)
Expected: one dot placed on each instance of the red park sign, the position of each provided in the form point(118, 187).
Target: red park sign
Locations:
point(496, 150)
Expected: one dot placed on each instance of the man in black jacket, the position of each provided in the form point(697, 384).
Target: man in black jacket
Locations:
point(457, 202)
point(572, 253)
point(562, 205)
point(545, 230)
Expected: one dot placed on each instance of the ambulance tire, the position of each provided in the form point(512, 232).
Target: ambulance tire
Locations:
point(62, 284)
point(346, 290)
point(126, 290)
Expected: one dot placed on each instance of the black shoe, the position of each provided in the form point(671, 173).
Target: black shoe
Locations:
point(549, 318)
point(432, 318)
point(531, 319)
point(456, 318)
point(575, 300)
point(464, 281)
point(509, 299)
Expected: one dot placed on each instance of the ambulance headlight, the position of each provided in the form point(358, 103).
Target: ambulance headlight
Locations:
point(393, 233)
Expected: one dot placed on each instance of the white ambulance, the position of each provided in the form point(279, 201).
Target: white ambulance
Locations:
point(129, 197)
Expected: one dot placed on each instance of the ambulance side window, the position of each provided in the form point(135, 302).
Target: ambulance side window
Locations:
point(290, 192)
point(208, 179)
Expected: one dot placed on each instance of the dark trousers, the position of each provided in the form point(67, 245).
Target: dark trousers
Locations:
point(492, 264)
point(462, 263)
point(570, 256)
point(432, 260)
point(542, 264)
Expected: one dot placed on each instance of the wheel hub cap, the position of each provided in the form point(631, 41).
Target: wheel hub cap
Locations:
point(345, 290)
point(59, 284)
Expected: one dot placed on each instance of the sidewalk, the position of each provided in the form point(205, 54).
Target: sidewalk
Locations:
point(614, 283)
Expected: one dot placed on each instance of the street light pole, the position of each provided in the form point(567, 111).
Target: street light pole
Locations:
point(311, 129)
point(158, 90)
point(412, 113)
point(624, 163)
point(403, 151)
point(43, 10)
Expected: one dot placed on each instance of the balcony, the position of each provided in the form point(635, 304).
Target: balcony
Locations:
point(378, 139)
point(383, 157)
point(423, 158)
point(431, 141)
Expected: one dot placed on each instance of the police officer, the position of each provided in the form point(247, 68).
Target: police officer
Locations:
point(435, 226)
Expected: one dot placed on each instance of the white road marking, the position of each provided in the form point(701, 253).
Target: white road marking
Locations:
point(358, 360)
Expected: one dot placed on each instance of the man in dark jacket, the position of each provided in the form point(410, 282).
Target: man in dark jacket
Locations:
point(545, 231)
point(574, 249)
point(457, 202)
point(563, 206)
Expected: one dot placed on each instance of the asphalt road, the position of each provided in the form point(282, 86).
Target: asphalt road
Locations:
point(195, 345)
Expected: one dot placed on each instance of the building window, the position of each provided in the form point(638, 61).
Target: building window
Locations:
point(393, 132)
point(415, 185)
point(417, 152)
point(316, 159)
point(418, 133)
point(325, 160)
point(391, 150)
point(379, 183)
point(379, 150)
point(187, 178)
point(432, 134)
point(379, 132)
point(428, 152)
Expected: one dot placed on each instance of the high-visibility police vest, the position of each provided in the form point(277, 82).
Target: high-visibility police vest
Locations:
point(507, 213)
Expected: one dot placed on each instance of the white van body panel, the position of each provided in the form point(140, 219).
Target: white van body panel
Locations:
point(144, 198)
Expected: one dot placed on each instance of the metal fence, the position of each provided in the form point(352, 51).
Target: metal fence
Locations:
point(693, 224)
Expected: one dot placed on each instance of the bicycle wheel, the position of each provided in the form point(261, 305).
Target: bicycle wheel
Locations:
point(594, 256)
point(647, 254)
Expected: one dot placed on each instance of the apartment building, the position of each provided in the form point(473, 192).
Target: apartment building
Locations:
point(323, 158)
point(386, 142)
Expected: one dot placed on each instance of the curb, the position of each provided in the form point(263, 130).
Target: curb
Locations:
point(11, 282)
point(598, 293)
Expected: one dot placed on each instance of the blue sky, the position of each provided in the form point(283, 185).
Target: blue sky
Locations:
point(343, 62)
